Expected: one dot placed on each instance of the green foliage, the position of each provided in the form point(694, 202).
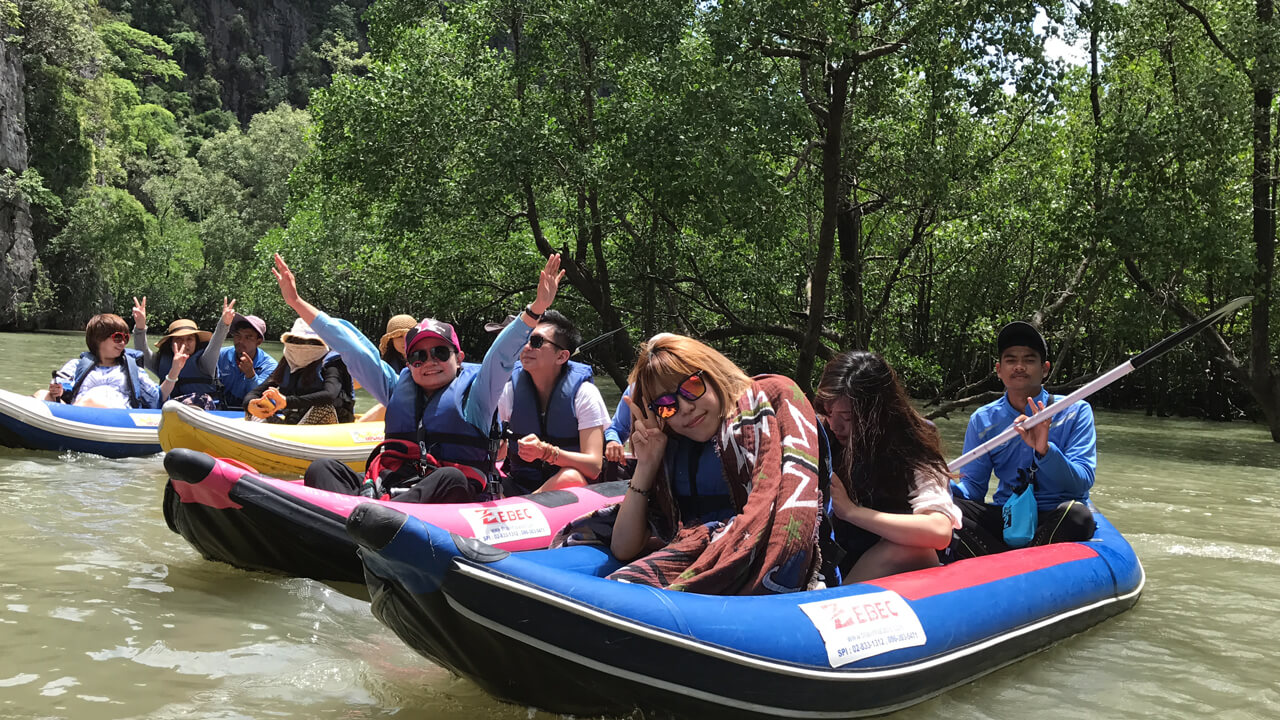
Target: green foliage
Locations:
point(140, 55)
point(30, 187)
point(674, 153)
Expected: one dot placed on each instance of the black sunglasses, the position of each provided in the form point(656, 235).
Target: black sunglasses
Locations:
point(440, 353)
point(537, 341)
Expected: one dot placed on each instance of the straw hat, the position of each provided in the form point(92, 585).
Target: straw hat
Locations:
point(397, 326)
point(301, 331)
point(181, 327)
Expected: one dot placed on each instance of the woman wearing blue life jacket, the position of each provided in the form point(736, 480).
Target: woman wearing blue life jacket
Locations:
point(310, 386)
point(180, 358)
point(107, 375)
point(890, 500)
point(725, 493)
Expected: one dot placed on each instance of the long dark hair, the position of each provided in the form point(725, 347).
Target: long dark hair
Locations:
point(889, 441)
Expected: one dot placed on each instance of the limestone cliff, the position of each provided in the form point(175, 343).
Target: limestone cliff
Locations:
point(17, 249)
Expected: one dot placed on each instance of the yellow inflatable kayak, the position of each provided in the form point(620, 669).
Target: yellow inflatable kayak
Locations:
point(271, 449)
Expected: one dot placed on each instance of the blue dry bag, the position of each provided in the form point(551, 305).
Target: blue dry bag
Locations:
point(1019, 512)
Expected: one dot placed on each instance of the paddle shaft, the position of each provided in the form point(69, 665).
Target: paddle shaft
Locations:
point(1093, 386)
point(1081, 393)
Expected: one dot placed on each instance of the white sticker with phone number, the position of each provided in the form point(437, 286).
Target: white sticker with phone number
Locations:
point(861, 626)
point(505, 523)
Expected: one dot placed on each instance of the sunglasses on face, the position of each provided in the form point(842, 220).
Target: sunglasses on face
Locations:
point(537, 341)
point(439, 353)
point(119, 337)
point(691, 388)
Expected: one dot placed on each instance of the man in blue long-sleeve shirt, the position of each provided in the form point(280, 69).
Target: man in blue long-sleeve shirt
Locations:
point(1062, 453)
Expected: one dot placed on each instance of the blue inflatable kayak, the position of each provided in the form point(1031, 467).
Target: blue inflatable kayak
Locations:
point(38, 425)
point(544, 628)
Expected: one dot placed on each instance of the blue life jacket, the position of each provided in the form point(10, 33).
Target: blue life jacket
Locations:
point(140, 396)
point(190, 380)
point(300, 384)
point(556, 424)
point(697, 481)
point(438, 422)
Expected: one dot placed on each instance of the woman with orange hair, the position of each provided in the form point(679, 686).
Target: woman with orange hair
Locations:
point(725, 485)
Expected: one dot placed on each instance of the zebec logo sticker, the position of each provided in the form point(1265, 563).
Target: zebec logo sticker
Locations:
point(507, 522)
point(860, 626)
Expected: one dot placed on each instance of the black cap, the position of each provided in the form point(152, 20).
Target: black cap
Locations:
point(1025, 334)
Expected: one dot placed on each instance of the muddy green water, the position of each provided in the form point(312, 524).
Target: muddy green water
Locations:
point(105, 613)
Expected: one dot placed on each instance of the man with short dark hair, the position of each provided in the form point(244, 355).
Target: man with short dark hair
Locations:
point(553, 412)
point(1060, 454)
point(243, 366)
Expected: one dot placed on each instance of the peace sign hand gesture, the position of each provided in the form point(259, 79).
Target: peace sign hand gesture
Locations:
point(140, 313)
point(228, 311)
point(648, 441)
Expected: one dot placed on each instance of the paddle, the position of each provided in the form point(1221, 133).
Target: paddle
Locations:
point(1128, 366)
point(595, 341)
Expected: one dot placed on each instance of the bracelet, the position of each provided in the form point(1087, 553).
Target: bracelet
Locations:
point(646, 494)
point(171, 378)
point(528, 310)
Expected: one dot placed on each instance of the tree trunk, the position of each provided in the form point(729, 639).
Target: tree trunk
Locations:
point(1264, 380)
point(833, 196)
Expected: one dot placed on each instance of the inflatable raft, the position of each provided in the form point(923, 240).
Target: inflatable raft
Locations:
point(546, 629)
point(38, 425)
point(240, 517)
point(272, 449)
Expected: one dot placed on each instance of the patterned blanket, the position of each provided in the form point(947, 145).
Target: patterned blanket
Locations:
point(769, 452)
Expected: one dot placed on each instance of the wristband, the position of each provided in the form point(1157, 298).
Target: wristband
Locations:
point(528, 310)
point(171, 378)
point(646, 494)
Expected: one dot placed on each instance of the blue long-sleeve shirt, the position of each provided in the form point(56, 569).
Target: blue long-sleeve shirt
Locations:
point(1065, 472)
point(366, 365)
point(234, 384)
point(620, 429)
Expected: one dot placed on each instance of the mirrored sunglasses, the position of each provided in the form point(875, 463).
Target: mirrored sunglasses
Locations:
point(691, 388)
point(439, 353)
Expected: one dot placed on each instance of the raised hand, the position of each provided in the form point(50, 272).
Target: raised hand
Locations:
point(548, 284)
point(1037, 438)
point(228, 311)
point(140, 313)
point(648, 441)
point(285, 279)
point(179, 360)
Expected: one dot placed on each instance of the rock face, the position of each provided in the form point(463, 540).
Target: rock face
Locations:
point(17, 248)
